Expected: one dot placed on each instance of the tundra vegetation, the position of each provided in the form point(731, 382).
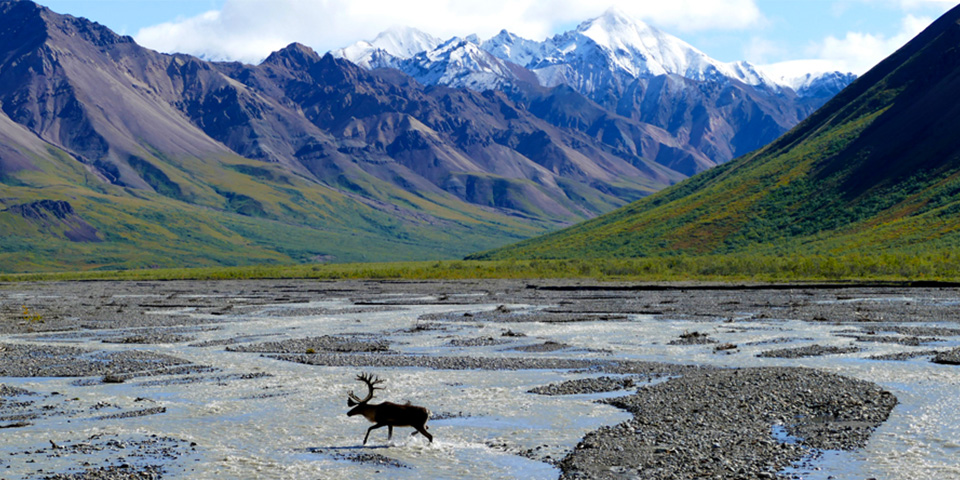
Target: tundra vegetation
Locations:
point(942, 266)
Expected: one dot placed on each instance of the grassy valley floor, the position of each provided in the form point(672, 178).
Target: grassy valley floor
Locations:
point(926, 267)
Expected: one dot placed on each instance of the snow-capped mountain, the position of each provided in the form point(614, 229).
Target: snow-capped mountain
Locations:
point(514, 48)
point(390, 46)
point(602, 54)
point(819, 84)
point(461, 63)
point(629, 69)
point(615, 47)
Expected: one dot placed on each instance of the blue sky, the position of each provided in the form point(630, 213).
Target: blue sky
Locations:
point(788, 36)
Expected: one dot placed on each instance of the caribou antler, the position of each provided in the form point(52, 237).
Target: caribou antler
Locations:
point(372, 382)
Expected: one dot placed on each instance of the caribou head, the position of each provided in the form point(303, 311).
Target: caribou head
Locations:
point(386, 414)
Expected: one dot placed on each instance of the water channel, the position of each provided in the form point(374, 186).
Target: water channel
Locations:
point(268, 418)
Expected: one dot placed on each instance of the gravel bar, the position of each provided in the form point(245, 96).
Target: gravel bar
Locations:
point(719, 424)
point(585, 386)
point(951, 357)
point(808, 351)
point(325, 343)
point(485, 363)
point(18, 360)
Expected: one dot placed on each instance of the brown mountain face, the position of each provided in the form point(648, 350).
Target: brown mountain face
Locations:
point(713, 121)
point(720, 120)
point(564, 107)
point(442, 140)
point(77, 85)
point(125, 112)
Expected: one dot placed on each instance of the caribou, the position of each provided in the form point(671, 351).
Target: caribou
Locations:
point(387, 414)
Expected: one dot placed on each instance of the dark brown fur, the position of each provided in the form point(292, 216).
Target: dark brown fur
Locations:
point(387, 414)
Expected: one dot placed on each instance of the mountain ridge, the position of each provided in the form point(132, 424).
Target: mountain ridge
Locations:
point(719, 110)
point(174, 160)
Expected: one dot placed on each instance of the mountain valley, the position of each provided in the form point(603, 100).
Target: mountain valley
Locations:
point(117, 156)
point(876, 171)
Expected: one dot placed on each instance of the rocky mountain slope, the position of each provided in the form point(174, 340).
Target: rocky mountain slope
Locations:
point(112, 155)
point(716, 110)
point(876, 170)
point(171, 160)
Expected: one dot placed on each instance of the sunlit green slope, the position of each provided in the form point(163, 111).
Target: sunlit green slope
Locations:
point(218, 211)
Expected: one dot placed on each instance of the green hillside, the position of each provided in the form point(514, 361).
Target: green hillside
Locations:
point(114, 156)
point(222, 211)
point(876, 170)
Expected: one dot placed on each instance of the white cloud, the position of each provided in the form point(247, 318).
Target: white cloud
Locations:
point(790, 71)
point(248, 30)
point(759, 49)
point(861, 51)
point(674, 15)
point(855, 52)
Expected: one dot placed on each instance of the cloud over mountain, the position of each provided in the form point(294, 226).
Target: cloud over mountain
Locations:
point(856, 51)
point(248, 30)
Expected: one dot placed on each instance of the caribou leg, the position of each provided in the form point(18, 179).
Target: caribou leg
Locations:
point(369, 430)
point(423, 429)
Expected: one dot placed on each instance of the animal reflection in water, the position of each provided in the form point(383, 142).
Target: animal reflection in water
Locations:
point(387, 414)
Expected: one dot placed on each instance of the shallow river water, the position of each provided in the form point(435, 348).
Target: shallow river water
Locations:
point(268, 418)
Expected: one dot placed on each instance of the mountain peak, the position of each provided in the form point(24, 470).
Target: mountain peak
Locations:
point(389, 46)
point(27, 23)
point(295, 54)
point(404, 42)
point(816, 83)
point(461, 62)
point(616, 24)
point(632, 49)
point(21, 7)
point(21, 25)
point(635, 48)
point(616, 16)
point(511, 47)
